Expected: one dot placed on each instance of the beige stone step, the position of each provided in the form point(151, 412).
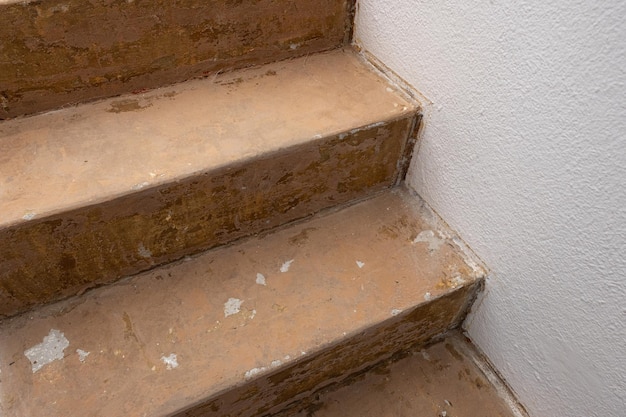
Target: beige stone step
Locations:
point(93, 193)
point(447, 379)
point(247, 329)
point(56, 52)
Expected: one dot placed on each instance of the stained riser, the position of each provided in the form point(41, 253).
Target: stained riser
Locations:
point(57, 52)
point(294, 387)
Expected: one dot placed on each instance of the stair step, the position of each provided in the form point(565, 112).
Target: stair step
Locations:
point(246, 329)
point(105, 190)
point(445, 379)
point(57, 52)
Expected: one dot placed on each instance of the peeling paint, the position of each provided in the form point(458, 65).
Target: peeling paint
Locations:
point(47, 351)
point(232, 306)
point(82, 354)
point(143, 251)
point(429, 237)
point(29, 216)
point(260, 279)
point(139, 186)
point(254, 371)
point(171, 361)
point(285, 267)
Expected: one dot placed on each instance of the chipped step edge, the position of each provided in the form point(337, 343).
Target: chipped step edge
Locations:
point(446, 233)
point(471, 350)
point(461, 298)
point(400, 86)
point(33, 216)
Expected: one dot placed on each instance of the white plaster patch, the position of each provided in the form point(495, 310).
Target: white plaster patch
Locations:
point(427, 296)
point(395, 312)
point(360, 264)
point(254, 371)
point(82, 354)
point(260, 279)
point(457, 280)
point(232, 306)
point(140, 185)
point(171, 361)
point(29, 216)
point(143, 251)
point(429, 237)
point(285, 267)
point(47, 351)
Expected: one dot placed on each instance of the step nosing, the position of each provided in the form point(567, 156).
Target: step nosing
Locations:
point(90, 167)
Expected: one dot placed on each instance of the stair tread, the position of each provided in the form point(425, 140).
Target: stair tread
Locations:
point(440, 380)
point(174, 336)
point(100, 151)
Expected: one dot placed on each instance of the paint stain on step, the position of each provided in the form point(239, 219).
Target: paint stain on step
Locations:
point(232, 306)
point(48, 351)
point(127, 105)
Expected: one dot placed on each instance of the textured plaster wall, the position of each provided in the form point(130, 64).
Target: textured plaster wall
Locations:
point(524, 153)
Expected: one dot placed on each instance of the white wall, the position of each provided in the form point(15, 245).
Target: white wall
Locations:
point(524, 154)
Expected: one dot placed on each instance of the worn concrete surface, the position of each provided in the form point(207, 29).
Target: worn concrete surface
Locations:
point(55, 52)
point(104, 190)
point(245, 329)
point(441, 380)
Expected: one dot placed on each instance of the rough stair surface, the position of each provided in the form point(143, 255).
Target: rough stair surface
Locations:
point(57, 52)
point(446, 379)
point(247, 329)
point(105, 190)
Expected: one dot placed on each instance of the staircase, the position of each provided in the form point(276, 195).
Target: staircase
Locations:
point(203, 211)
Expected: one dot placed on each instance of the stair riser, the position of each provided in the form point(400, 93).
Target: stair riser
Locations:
point(66, 51)
point(293, 387)
point(47, 259)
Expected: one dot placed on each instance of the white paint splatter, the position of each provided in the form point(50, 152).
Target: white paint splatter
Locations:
point(82, 354)
point(276, 363)
point(286, 265)
point(140, 186)
point(171, 361)
point(360, 264)
point(457, 280)
point(427, 296)
point(425, 355)
point(428, 236)
point(294, 46)
point(395, 312)
point(47, 351)
point(252, 314)
point(254, 371)
point(143, 251)
point(260, 279)
point(232, 306)
point(29, 216)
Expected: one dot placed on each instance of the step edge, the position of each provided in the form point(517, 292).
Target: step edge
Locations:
point(280, 151)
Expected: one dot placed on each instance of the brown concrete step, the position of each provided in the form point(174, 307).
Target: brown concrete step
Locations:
point(248, 329)
point(447, 379)
point(56, 52)
point(104, 190)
